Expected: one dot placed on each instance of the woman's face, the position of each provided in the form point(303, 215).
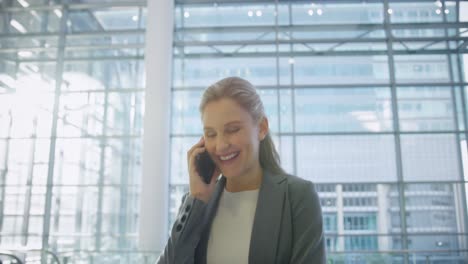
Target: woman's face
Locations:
point(232, 137)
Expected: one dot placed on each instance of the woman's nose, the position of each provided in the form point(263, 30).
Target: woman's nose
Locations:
point(221, 144)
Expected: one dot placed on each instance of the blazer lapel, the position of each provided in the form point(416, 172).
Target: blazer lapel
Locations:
point(211, 208)
point(212, 205)
point(267, 221)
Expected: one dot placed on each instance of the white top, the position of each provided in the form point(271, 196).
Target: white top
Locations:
point(229, 240)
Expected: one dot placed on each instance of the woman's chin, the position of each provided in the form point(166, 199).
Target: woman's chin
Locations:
point(229, 174)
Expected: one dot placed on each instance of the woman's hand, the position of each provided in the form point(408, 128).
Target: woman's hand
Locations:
point(198, 188)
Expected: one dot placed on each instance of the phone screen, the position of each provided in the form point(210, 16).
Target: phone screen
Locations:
point(205, 166)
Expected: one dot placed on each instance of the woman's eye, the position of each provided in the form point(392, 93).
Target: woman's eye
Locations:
point(233, 130)
point(209, 135)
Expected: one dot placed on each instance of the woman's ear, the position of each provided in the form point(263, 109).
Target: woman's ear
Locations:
point(263, 128)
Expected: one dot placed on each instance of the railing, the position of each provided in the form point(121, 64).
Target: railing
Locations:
point(10, 257)
point(25, 256)
point(109, 257)
point(149, 257)
point(459, 256)
point(30, 256)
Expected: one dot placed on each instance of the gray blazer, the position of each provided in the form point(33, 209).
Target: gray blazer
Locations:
point(287, 226)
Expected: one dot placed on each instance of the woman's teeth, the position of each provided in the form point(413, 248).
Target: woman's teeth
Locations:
point(224, 158)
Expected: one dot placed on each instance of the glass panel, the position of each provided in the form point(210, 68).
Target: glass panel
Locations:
point(436, 46)
point(34, 21)
point(285, 71)
point(430, 157)
point(360, 216)
point(425, 108)
point(228, 15)
point(286, 114)
point(360, 221)
point(332, 62)
point(91, 41)
point(226, 34)
point(179, 148)
point(351, 109)
point(104, 51)
point(334, 33)
point(82, 177)
point(419, 12)
point(270, 100)
point(74, 217)
point(206, 71)
point(365, 256)
point(123, 161)
point(79, 159)
point(23, 159)
point(13, 227)
point(431, 244)
point(325, 159)
point(466, 106)
point(464, 157)
point(340, 70)
point(337, 13)
point(422, 68)
point(417, 32)
point(97, 75)
point(361, 243)
point(82, 114)
point(21, 48)
point(36, 105)
point(30, 3)
point(462, 12)
point(104, 19)
point(186, 117)
point(362, 46)
point(284, 146)
point(458, 91)
point(391, 219)
point(14, 201)
point(433, 216)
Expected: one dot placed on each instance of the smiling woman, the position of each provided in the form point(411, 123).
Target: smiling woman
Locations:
point(272, 217)
point(232, 139)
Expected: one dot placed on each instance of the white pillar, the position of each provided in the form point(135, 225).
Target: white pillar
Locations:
point(156, 149)
point(340, 217)
point(383, 216)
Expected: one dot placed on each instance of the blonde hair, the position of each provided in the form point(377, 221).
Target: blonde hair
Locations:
point(245, 94)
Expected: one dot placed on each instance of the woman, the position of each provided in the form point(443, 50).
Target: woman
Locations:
point(254, 212)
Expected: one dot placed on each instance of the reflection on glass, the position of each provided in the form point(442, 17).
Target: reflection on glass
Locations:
point(76, 143)
point(329, 110)
point(425, 108)
point(430, 157)
point(345, 112)
point(333, 70)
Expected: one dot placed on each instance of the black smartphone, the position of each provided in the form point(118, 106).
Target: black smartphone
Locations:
point(205, 166)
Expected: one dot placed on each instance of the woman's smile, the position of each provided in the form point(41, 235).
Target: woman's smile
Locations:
point(229, 156)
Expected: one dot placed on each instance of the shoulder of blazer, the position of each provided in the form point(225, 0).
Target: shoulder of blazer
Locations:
point(298, 188)
point(301, 194)
point(294, 183)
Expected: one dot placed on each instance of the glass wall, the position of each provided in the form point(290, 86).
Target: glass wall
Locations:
point(367, 99)
point(71, 109)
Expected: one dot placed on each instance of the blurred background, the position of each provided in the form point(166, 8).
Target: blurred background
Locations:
point(367, 99)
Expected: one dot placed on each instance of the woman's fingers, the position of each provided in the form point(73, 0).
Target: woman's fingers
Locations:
point(197, 151)
point(200, 143)
point(215, 175)
point(198, 188)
